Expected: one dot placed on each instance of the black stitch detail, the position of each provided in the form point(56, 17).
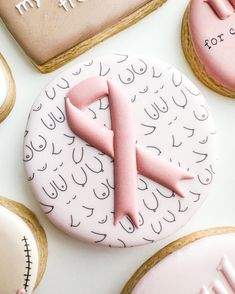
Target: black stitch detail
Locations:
point(27, 251)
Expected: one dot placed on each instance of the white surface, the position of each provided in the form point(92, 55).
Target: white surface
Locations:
point(75, 267)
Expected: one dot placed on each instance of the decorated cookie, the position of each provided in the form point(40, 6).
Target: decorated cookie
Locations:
point(200, 263)
point(120, 150)
point(208, 39)
point(23, 249)
point(7, 89)
point(68, 27)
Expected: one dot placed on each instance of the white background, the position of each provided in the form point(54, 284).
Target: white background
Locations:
point(75, 267)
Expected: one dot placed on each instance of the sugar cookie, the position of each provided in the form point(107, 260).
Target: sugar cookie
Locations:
point(75, 156)
point(203, 263)
point(54, 32)
point(23, 249)
point(208, 40)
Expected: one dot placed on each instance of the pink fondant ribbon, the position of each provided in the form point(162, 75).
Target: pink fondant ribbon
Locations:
point(21, 291)
point(221, 7)
point(119, 143)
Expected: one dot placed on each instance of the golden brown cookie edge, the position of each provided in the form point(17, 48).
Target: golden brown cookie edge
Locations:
point(9, 102)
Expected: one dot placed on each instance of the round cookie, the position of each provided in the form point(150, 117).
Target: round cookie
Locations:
point(202, 262)
point(208, 40)
point(158, 151)
point(23, 249)
point(7, 93)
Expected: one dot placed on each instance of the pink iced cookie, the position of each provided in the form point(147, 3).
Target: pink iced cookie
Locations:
point(209, 43)
point(129, 123)
point(200, 263)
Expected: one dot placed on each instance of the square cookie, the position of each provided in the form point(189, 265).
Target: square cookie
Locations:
point(54, 32)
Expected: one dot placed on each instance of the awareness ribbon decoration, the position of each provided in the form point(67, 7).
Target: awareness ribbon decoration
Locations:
point(119, 144)
point(22, 291)
point(223, 8)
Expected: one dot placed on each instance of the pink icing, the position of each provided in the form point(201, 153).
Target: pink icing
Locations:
point(204, 290)
point(21, 291)
point(119, 143)
point(232, 2)
point(221, 8)
point(228, 271)
point(213, 271)
point(76, 190)
point(212, 31)
point(218, 287)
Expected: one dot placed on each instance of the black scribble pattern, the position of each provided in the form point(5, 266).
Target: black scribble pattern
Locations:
point(76, 180)
point(72, 223)
point(103, 72)
point(50, 94)
point(154, 228)
point(28, 262)
point(47, 208)
point(101, 237)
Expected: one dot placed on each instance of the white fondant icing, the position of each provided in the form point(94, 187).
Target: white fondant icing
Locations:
point(18, 266)
point(25, 4)
point(192, 269)
point(67, 177)
point(3, 85)
point(67, 4)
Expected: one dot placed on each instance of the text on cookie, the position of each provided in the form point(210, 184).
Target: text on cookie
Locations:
point(67, 4)
point(228, 272)
point(25, 4)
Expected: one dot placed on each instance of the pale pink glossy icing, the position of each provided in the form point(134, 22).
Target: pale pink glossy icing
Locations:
point(21, 291)
point(222, 8)
point(217, 287)
point(205, 266)
point(212, 32)
point(122, 143)
point(228, 271)
point(74, 180)
point(204, 290)
point(119, 144)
